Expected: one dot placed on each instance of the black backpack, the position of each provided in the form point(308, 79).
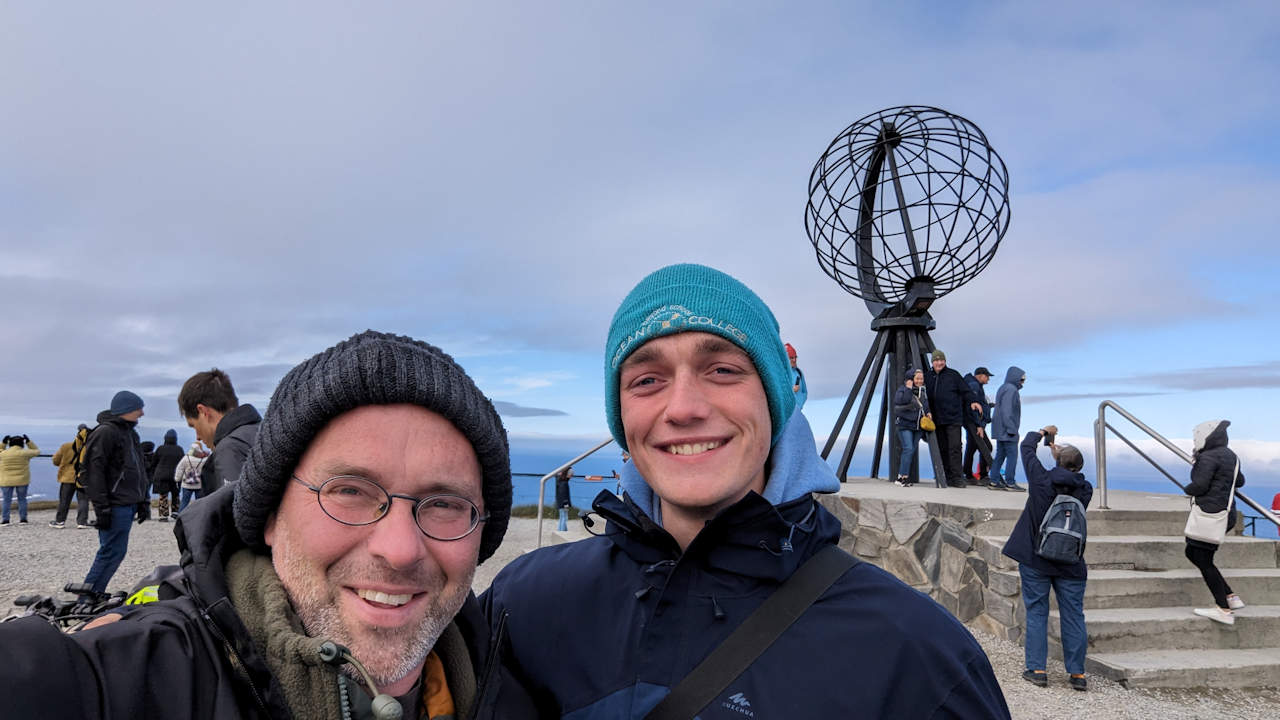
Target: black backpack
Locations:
point(1063, 531)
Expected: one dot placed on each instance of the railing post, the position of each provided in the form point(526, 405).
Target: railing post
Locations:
point(1100, 455)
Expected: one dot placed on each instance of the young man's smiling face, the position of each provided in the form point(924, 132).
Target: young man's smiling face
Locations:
point(384, 590)
point(696, 421)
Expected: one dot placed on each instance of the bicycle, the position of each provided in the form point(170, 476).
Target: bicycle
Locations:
point(69, 616)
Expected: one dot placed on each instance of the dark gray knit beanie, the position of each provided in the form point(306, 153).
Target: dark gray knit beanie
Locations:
point(371, 368)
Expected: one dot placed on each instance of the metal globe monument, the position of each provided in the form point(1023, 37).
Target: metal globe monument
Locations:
point(905, 205)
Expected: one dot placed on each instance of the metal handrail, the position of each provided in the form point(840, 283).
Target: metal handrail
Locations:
point(1100, 428)
point(542, 483)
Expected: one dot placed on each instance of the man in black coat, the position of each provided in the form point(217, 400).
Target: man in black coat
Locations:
point(379, 481)
point(116, 482)
point(951, 400)
point(162, 481)
point(976, 440)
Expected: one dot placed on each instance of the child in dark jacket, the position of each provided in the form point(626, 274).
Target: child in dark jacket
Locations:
point(1039, 574)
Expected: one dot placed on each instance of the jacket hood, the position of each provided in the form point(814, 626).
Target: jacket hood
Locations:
point(1209, 434)
point(1014, 375)
point(1063, 478)
point(243, 415)
point(170, 437)
point(794, 470)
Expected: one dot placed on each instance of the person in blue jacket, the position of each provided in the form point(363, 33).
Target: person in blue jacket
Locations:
point(717, 512)
point(1040, 574)
point(1004, 430)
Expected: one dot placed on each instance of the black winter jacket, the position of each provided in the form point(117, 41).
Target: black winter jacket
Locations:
point(982, 418)
point(115, 471)
point(231, 440)
point(1211, 475)
point(949, 396)
point(167, 457)
point(211, 667)
point(906, 411)
point(1043, 486)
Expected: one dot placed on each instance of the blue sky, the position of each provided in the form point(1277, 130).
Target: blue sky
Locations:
point(191, 187)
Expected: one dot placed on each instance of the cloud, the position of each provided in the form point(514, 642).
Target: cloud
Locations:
point(509, 409)
point(1260, 375)
point(1031, 399)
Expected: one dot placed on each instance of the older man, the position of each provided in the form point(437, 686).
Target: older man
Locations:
point(718, 519)
point(332, 580)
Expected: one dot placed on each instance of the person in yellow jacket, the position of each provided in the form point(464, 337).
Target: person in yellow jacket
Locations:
point(15, 474)
point(65, 461)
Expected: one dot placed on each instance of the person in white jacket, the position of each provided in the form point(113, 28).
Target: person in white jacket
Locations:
point(187, 473)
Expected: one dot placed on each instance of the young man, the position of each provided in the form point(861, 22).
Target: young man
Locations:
point(951, 400)
point(1004, 428)
point(976, 441)
point(116, 484)
point(1039, 574)
point(717, 513)
point(378, 482)
point(209, 403)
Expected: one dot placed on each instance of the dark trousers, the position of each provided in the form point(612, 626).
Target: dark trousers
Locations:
point(981, 446)
point(113, 543)
point(1202, 558)
point(950, 448)
point(66, 491)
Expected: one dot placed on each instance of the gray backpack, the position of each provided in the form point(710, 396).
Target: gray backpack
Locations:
point(1063, 531)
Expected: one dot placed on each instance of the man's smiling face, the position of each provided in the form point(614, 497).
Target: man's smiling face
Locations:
point(696, 421)
point(384, 590)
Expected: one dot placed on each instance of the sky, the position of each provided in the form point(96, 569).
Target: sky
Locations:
point(184, 187)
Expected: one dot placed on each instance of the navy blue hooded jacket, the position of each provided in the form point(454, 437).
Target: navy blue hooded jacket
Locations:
point(605, 627)
point(1042, 487)
point(980, 395)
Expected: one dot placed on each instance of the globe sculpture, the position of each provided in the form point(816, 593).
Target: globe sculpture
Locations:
point(905, 205)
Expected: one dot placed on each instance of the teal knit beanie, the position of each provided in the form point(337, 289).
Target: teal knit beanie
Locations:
point(683, 298)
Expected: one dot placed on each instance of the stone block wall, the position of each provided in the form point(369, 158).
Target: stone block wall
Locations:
point(931, 547)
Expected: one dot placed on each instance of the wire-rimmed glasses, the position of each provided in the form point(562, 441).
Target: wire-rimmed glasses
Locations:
point(353, 500)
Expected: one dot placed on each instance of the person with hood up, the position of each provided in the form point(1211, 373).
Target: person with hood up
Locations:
point(68, 483)
point(168, 455)
point(1214, 470)
point(1004, 429)
point(717, 513)
point(116, 483)
point(187, 474)
point(1040, 574)
point(15, 474)
point(910, 404)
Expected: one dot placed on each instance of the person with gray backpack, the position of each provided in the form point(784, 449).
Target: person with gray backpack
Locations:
point(1048, 542)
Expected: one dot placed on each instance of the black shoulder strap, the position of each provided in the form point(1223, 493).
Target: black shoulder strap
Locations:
point(754, 635)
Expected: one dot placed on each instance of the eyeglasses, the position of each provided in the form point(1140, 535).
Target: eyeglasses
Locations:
point(353, 500)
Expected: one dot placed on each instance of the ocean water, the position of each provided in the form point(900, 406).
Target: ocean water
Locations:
point(532, 458)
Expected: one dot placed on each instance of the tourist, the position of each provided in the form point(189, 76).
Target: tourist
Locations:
point(717, 513)
point(950, 400)
point(976, 441)
point(798, 384)
point(1215, 475)
point(66, 460)
point(115, 480)
point(341, 560)
point(209, 403)
point(168, 455)
point(187, 473)
point(910, 405)
point(1039, 574)
point(1004, 428)
point(563, 501)
point(15, 474)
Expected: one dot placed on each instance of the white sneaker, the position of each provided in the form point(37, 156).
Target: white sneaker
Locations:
point(1217, 614)
point(1234, 602)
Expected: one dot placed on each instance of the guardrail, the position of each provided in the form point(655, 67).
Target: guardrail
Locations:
point(1100, 428)
point(542, 483)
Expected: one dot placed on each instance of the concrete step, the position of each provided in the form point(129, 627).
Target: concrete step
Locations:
point(1152, 552)
point(1236, 668)
point(1101, 522)
point(1109, 589)
point(1123, 630)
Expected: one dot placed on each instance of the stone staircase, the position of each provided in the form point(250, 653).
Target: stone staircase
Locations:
point(1140, 595)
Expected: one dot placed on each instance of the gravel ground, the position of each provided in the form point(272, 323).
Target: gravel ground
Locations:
point(38, 558)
